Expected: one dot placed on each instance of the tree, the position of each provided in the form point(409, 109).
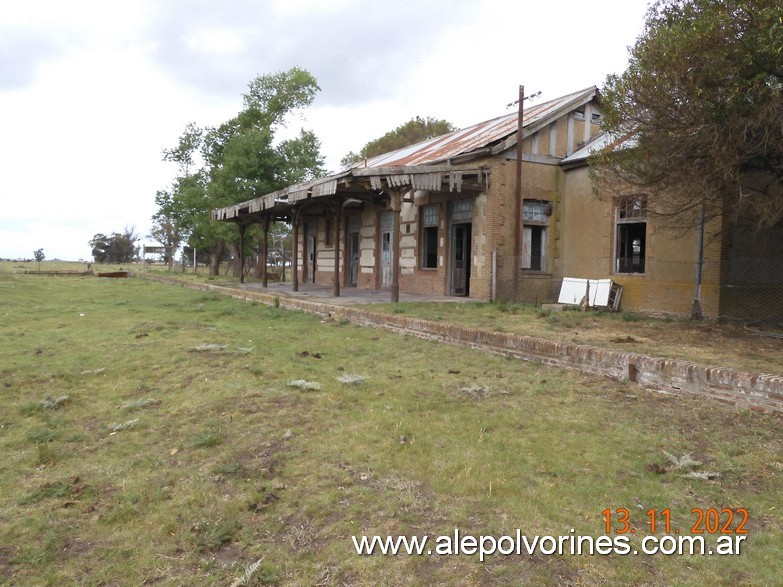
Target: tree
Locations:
point(414, 131)
point(702, 104)
point(241, 160)
point(168, 224)
point(39, 256)
point(117, 248)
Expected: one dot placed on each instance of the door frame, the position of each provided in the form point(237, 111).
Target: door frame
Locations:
point(466, 251)
point(386, 228)
point(310, 256)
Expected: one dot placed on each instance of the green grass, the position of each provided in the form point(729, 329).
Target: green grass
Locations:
point(227, 464)
point(706, 342)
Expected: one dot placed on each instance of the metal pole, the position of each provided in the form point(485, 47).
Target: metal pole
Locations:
point(518, 196)
point(696, 313)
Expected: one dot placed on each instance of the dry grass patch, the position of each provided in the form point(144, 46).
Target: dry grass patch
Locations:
point(730, 344)
point(227, 465)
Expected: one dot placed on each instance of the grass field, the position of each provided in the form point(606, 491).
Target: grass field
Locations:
point(158, 435)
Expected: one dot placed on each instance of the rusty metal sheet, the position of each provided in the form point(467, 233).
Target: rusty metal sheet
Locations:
point(474, 137)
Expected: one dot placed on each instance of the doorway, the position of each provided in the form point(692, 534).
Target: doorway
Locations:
point(311, 232)
point(387, 248)
point(353, 251)
point(460, 259)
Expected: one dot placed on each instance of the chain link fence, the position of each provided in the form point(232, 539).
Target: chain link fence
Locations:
point(748, 289)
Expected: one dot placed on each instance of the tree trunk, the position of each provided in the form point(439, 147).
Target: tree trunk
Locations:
point(214, 258)
point(236, 267)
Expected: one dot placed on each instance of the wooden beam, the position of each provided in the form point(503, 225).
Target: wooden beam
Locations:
point(265, 253)
point(336, 210)
point(295, 214)
point(241, 253)
point(396, 206)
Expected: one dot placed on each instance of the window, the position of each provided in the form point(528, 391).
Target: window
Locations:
point(535, 224)
point(631, 240)
point(461, 211)
point(429, 237)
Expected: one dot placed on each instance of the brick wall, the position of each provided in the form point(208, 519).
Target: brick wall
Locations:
point(754, 391)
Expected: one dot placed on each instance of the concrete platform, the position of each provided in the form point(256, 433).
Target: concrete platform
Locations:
point(348, 295)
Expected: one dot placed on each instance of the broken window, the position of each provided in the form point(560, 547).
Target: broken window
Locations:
point(535, 223)
point(631, 242)
point(429, 237)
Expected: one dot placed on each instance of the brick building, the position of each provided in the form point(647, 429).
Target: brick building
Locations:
point(475, 213)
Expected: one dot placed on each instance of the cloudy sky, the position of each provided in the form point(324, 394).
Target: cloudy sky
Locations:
point(91, 91)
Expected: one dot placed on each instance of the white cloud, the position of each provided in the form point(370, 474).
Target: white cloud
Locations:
point(91, 92)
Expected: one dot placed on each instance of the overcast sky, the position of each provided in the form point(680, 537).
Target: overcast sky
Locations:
point(91, 91)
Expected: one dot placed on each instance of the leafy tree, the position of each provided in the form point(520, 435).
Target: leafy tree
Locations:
point(39, 256)
point(117, 248)
point(168, 224)
point(241, 160)
point(702, 99)
point(414, 131)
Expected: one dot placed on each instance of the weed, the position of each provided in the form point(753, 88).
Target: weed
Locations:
point(229, 469)
point(30, 409)
point(41, 553)
point(119, 426)
point(46, 455)
point(511, 307)
point(351, 379)
point(629, 317)
point(250, 570)
point(43, 436)
point(208, 439)
point(139, 403)
point(209, 347)
point(305, 385)
point(49, 403)
point(211, 535)
point(47, 490)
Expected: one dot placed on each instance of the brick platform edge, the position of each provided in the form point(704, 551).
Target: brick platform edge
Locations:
point(755, 391)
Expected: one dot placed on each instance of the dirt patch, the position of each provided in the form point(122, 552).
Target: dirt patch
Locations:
point(7, 554)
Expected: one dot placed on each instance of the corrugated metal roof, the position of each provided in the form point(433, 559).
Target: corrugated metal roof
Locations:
point(395, 167)
point(478, 136)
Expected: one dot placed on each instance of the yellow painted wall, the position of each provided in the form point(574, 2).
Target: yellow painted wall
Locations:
point(668, 283)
